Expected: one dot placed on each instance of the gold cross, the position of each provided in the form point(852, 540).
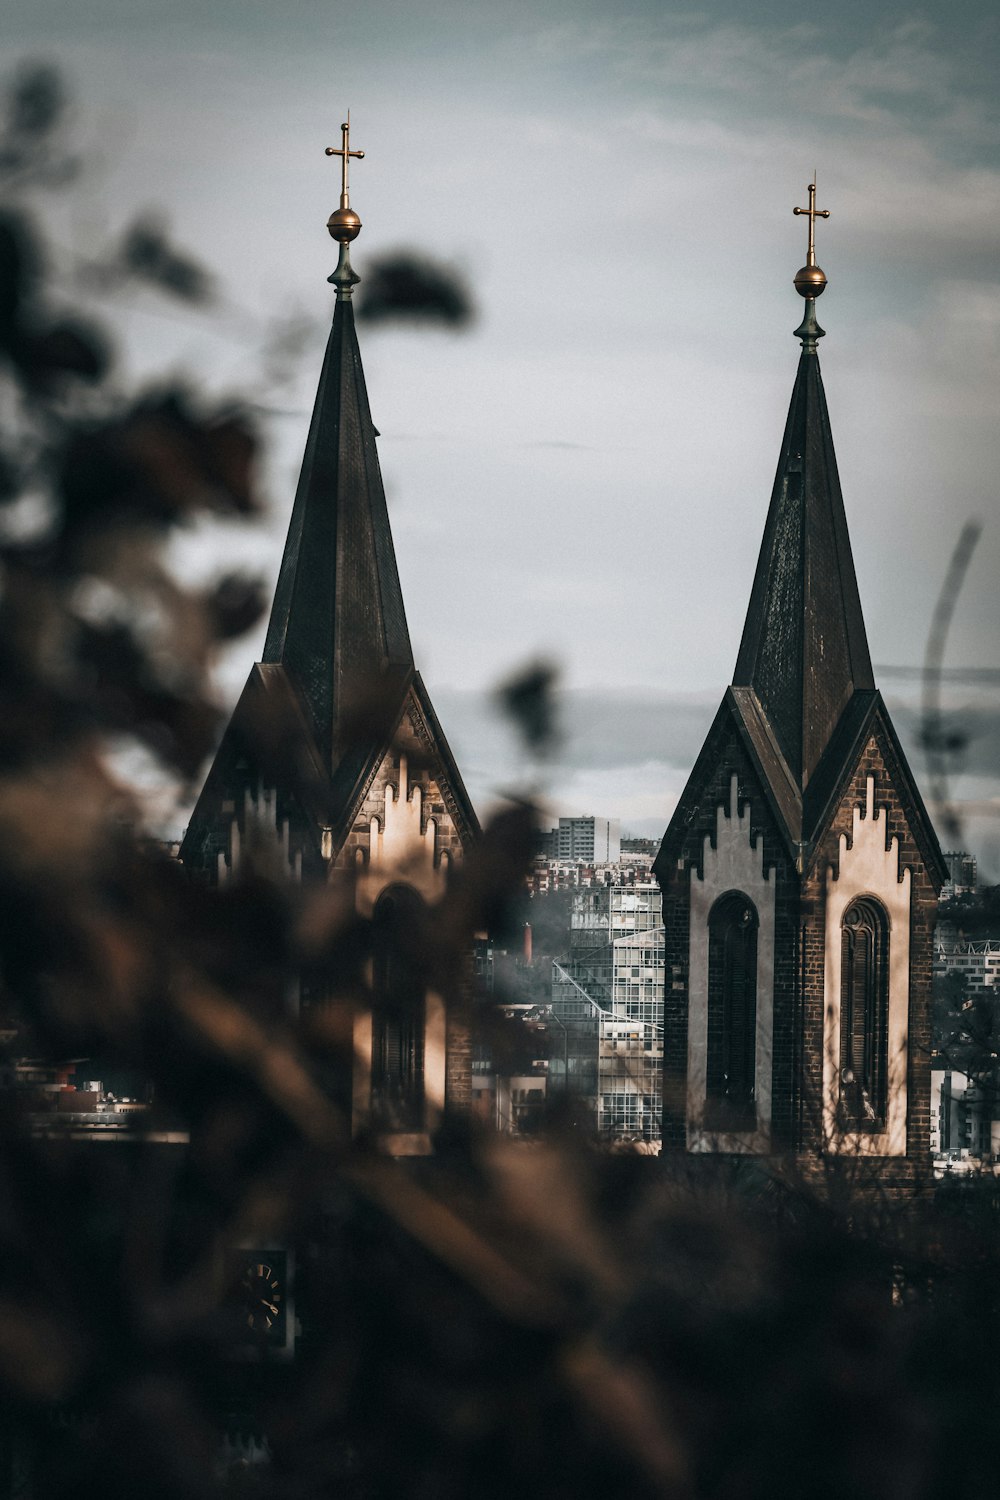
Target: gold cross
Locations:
point(345, 153)
point(814, 214)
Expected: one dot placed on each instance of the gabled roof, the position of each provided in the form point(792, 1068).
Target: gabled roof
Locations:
point(803, 701)
point(867, 717)
point(804, 650)
point(268, 731)
point(355, 772)
point(801, 820)
point(321, 711)
point(338, 622)
point(738, 715)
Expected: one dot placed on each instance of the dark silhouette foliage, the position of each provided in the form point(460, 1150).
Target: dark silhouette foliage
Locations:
point(529, 699)
point(410, 287)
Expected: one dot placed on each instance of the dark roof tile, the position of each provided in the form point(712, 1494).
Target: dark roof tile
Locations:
point(804, 649)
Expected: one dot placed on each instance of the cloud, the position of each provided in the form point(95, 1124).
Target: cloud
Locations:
point(896, 71)
point(627, 753)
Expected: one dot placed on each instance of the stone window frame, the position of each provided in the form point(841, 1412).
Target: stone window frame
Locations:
point(734, 860)
point(864, 1047)
point(868, 865)
point(731, 1085)
point(399, 1004)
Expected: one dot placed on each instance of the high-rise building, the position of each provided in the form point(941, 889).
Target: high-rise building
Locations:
point(608, 999)
point(965, 1132)
point(594, 840)
point(962, 874)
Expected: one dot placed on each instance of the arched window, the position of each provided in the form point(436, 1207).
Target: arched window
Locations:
point(398, 985)
point(864, 1014)
point(732, 1013)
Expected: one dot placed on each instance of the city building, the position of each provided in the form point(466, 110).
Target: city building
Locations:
point(510, 1074)
point(964, 1128)
point(608, 998)
point(977, 962)
point(589, 840)
point(64, 1099)
point(563, 874)
point(640, 846)
point(547, 843)
point(800, 871)
point(334, 761)
point(962, 875)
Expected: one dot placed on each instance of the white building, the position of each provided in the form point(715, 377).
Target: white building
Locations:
point(977, 962)
point(594, 840)
point(962, 874)
point(964, 1133)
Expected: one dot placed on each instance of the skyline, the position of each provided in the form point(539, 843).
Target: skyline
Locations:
point(619, 195)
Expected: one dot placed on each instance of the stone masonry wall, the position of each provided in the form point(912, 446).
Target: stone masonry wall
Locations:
point(730, 757)
point(892, 793)
point(797, 1115)
point(420, 779)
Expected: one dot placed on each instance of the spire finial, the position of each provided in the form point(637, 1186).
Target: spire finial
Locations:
point(810, 281)
point(344, 224)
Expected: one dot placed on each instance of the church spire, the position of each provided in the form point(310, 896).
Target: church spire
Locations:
point(338, 624)
point(804, 650)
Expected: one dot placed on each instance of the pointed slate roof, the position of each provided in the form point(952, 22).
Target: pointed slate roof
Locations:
point(804, 651)
point(338, 623)
point(323, 708)
point(803, 701)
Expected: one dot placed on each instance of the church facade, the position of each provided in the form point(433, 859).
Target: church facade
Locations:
point(800, 871)
point(334, 763)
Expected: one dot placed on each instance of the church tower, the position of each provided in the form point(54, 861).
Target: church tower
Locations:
point(800, 872)
point(334, 760)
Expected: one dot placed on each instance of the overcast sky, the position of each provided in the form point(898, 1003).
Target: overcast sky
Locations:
point(585, 473)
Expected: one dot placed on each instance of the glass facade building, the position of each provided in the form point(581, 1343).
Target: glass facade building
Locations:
point(608, 996)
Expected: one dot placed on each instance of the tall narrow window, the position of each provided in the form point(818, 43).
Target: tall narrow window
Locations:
point(398, 986)
point(864, 1015)
point(732, 1013)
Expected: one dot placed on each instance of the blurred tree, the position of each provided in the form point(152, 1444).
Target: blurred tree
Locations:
point(408, 286)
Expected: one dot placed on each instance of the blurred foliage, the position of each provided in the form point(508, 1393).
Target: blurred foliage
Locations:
point(529, 699)
point(945, 742)
point(974, 914)
point(966, 1025)
point(551, 918)
point(966, 1019)
point(33, 149)
point(96, 638)
point(146, 252)
point(408, 286)
point(506, 1318)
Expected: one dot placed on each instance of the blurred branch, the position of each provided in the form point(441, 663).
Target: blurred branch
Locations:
point(938, 744)
point(408, 286)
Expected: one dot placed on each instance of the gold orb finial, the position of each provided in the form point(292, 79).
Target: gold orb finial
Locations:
point(810, 281)
point(344, 224)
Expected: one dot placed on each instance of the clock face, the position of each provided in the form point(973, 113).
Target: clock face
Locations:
point(261, 1293)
